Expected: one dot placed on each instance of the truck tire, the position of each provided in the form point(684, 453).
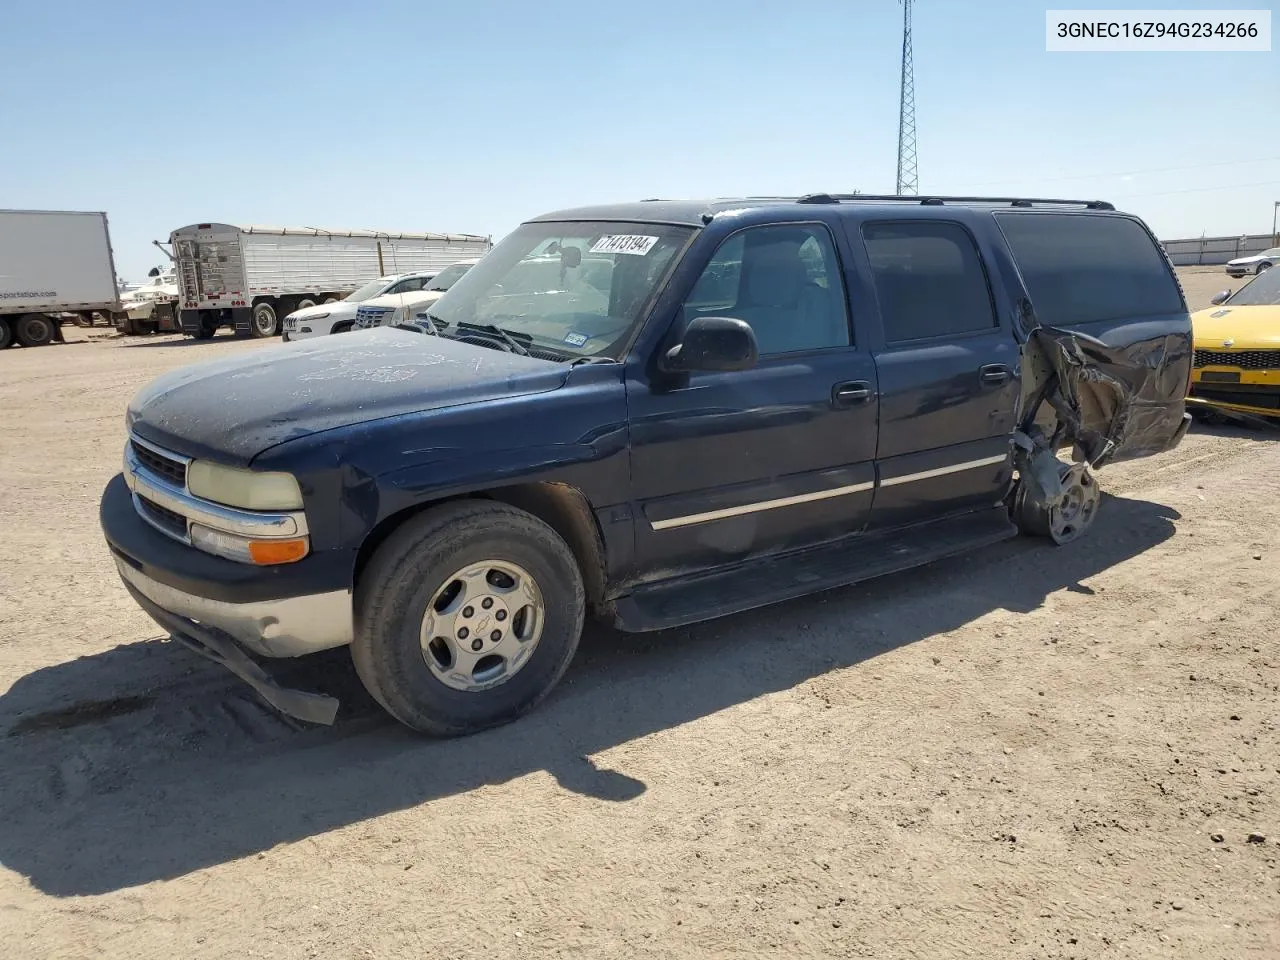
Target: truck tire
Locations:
point(330, 299)
point(84, 319)
point(206, 330)
point(501, 584)
point(6, 333)
point(33, 330)
point(264, 322)
point(303, 304)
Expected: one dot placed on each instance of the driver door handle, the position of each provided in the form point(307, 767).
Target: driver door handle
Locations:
point(850, 393)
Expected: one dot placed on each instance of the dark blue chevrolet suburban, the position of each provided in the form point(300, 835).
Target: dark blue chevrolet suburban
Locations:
point(655, 412)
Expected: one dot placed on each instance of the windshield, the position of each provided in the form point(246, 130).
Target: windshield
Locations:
point(447, 277)
point(569, 289)
point(370, 289)
point(1262, 291)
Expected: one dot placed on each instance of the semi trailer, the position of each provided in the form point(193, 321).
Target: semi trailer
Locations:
point(250, 277)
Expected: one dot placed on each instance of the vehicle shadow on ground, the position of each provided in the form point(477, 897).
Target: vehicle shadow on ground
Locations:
point(159, 784)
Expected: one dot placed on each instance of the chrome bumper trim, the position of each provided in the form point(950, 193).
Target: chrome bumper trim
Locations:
point(245, 523)
point(292, 627)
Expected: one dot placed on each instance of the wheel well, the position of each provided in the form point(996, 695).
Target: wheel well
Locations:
point(564, 508)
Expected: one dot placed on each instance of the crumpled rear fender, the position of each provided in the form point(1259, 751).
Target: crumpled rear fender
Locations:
point(1117, 400)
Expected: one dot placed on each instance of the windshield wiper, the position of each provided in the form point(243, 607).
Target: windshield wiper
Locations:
point(515, 345)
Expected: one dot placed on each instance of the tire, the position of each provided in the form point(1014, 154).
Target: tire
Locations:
point(330, 300)
point(206, 330)
point(1262, 266)
point(303, 304)
point(264, 322)
point(1071, 519)
point(343, 326)
point(417, 568)
point(6, 334)
point(34, 330)
point(84, 320)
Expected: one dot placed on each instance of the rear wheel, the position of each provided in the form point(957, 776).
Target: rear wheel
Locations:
point(264, 322)
point(6, 333)
point(1069, 519)
point(206, 330)
point(304, 303)
point(467, 617)
point(34, 330)
point(330, 299)
point(84, 319)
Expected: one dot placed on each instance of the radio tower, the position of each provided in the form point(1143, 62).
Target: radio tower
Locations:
point(908, 183)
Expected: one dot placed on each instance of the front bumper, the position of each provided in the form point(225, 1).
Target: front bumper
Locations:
point(285, 611)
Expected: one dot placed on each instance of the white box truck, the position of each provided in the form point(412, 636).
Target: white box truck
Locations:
point(53, 263)
point(248, 278)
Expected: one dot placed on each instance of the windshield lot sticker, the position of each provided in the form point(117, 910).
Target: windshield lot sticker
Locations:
point(575, 339)
point(631, 244)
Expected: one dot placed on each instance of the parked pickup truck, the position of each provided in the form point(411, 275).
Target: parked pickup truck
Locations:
point(756, 400)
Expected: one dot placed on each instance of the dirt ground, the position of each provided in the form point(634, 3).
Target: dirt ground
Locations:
point(1029, 752)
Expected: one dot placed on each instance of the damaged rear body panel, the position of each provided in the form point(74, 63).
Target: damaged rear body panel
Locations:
point(1106, 343)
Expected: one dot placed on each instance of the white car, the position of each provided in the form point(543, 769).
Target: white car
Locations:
point(339, 317)
point(1255, 264)
point(390, 310)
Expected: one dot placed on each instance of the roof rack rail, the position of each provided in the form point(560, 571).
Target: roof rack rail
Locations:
point(927, 200)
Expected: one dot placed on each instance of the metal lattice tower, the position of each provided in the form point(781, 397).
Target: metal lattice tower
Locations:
point(908, 183)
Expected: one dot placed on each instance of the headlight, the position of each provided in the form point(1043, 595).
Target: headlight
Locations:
point(314, 316)
point(248, 489)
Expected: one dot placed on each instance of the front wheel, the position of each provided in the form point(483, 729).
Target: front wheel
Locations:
point(467, 617)
point(1262, 266)
point(264, 322)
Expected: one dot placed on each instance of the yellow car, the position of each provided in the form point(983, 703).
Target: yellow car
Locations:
point(1237, 350)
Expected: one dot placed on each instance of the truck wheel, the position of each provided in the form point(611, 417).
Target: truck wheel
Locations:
point(264, 322)
point(206, 330)
point(1071, 518)
point(34, 330)
point(330, 299)
point(304, 303)
point(467, 617)
point(6, 334)
point(84, 319)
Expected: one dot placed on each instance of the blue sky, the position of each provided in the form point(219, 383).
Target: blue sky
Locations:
point(472, 115)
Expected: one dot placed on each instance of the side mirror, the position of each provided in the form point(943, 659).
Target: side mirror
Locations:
point(1220, 297)
point(717, 344)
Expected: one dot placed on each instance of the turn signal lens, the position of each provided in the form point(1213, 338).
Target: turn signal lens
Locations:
point(277, 551)
point(245, 550)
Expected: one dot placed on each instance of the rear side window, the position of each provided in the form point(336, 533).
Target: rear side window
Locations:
point(929, 280)
point(1080, 268)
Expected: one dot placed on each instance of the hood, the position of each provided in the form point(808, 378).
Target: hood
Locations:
point(233, 409)
point(324, 309)
point(1251, 327)
point(389, 301)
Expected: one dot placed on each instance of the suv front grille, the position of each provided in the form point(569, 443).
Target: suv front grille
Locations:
point(175, 471)
point(163, 517)
point(1244, 359)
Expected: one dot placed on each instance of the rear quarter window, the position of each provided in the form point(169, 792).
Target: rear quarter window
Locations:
point(1080, 268)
